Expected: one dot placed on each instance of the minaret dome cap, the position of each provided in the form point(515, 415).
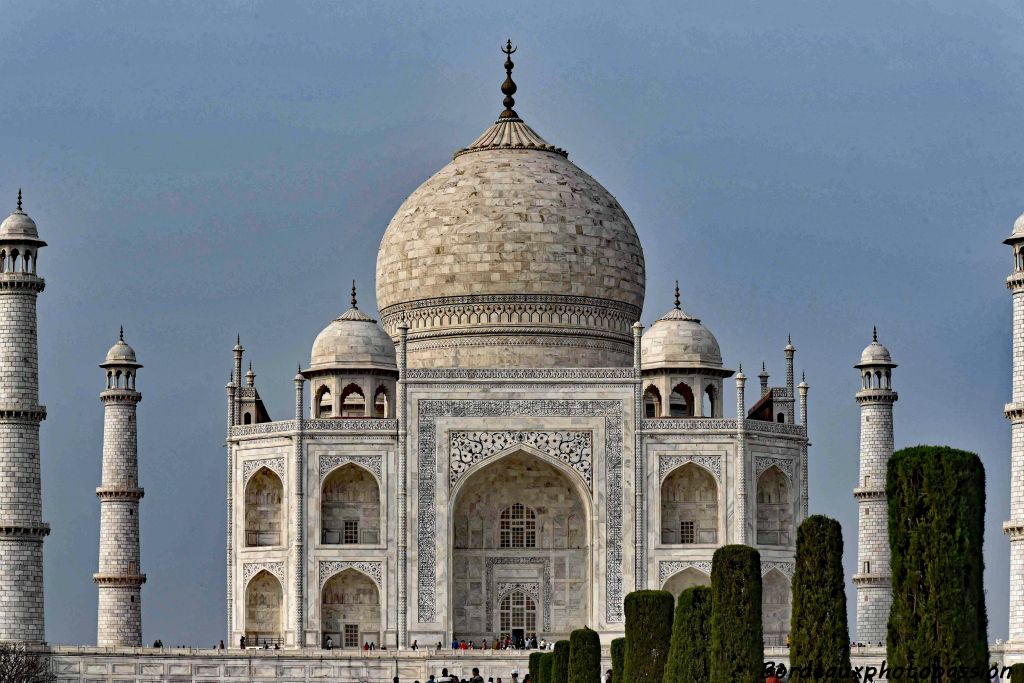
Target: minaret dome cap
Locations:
point(20, 227)
point(121, 355)
point(875, 355)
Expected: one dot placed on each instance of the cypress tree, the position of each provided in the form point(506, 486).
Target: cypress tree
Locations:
point(618, 659)
point(821, 638)
point(648, 634)
point(737, 635)
point(560, 662)
point(534, 665)
point(1017, 673)
point(546, 660)
point(691, 634)
point(584, 656)
point(936, 497)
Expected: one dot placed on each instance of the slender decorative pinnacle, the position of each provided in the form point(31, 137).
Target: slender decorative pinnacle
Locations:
point(19, 199)
point(789, 339)
point(508, 88)
point(874, 333)
point(354, 294)
point(677, 295)
point(121, 333)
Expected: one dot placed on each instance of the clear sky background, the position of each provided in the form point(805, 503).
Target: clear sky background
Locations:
point(204, 169)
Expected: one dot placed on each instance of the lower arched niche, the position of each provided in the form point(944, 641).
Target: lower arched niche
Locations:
point(519, 523)
point(688, 578)
point(350, 610)
point(775, 607)
point(263, 610)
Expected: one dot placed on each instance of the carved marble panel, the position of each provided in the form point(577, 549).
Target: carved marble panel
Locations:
point(787, 568)
point(250, 467)
point(251, 569)
point(667, 463)
point(574, 448)
point(332, 462)
point(668, 569)
point(763, 462)
point(375, 570)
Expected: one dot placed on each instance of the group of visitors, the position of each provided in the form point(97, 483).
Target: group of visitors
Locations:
point(505, 643)
point(474, 678)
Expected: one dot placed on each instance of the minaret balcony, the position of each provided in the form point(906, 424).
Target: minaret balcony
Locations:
point(1015, 530)
point(1016, 281)
point(119, 579)
point(869, 494)
point(27, 281)
point(120, 492)
point(1014, 411)
point(872, 579)
point(876, 396)
point(16, 412)
point(36, 530)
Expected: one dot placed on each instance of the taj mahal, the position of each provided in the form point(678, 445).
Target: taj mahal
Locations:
point(507, 451)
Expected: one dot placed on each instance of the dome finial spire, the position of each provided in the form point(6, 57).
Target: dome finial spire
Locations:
point(677, 295)
point(121, 333)
point(874, 333)
point(508, 88)
point(19, 199)
point(354, 294)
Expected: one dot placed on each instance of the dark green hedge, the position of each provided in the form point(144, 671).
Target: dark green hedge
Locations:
point(688, 657)
point(648, 634)
point(546, 661)
point(584, 656)
point(936, 498)
point(560, 664)
point(618, 659)
point(821, 638)
point(535, 665)
point(737, 636)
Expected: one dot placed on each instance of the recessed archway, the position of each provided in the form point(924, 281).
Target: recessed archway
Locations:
point(350, 610)
point(264, 494)
point(521, 520)
point(350, 507)
point(689, 506)
point(774, 508)
point(776, 599)
point(688, 578)
point(264, 613)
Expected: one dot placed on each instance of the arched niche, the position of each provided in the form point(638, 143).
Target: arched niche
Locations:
point(264, 513)
point(264, 610)
point(774, 508)
point(350, 507)
point(689, 506)
point(688, 578)
point(680, 401)
point(550, 507)
point(776, 606)
point(652, 402)
point(350, 610)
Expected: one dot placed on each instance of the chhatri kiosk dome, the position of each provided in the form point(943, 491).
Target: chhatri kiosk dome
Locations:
point(511, 255)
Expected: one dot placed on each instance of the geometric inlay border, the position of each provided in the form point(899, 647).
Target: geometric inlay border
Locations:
point(574, 448)
point(667, 570)
point(275, 465)
point(763, 462)
point(786, 568)
point(430, 410)
point(250, 570)
point(375, 570)
point(713, 463)
point(331, 462)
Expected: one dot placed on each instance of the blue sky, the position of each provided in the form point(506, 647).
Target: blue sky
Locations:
point(204, 169)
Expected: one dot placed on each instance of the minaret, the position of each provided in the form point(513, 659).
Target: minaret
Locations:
point(1014, 411)
point(119, 579)
point(21, 527)
point(873, 578)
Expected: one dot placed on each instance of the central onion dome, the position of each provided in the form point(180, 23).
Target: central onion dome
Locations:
point(512, 256)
